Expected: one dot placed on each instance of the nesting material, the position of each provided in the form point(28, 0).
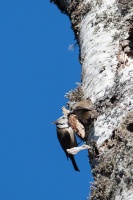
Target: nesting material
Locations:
point(76, 126)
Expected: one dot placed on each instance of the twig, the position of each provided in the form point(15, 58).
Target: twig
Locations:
point(75, 150)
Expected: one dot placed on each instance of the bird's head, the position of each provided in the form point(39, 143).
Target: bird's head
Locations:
point(61, 122)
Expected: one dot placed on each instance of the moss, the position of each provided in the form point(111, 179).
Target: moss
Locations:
point(76, 94)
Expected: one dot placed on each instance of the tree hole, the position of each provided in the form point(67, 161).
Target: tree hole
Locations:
point(113, 99)
point(130, 127)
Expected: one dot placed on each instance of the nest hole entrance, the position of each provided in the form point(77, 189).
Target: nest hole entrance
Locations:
point(130, 127)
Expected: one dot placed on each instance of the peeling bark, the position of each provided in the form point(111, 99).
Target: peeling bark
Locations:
point(104, 32)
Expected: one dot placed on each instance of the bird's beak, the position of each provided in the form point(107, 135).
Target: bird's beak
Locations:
point(54, 122)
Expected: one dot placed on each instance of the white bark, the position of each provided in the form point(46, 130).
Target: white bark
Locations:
point(126, 194)
point(101, 78)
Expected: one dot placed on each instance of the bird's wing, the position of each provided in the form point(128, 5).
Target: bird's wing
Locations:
point(64, 140)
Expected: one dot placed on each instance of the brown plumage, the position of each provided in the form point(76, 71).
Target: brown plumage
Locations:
point(84, 110)
point(67, 138)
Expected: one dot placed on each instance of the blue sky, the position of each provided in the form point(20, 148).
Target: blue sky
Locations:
point(36, 70)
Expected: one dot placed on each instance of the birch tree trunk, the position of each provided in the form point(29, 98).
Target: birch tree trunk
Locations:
point(104, 32)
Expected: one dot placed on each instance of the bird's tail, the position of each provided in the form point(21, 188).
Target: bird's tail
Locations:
point(74, 162)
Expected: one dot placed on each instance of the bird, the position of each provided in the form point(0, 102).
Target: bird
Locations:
point(84, 110)
point(66, 137)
